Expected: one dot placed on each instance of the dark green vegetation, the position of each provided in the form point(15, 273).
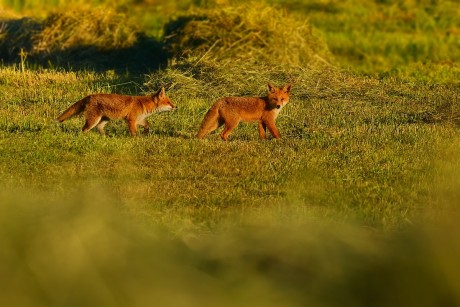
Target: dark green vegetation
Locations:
point(356, 205)
point(389, 36)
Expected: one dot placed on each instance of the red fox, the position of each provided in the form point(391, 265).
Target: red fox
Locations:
point(100, 108)
point(231, 110)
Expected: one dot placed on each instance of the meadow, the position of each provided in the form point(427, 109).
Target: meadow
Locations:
point(355, 205)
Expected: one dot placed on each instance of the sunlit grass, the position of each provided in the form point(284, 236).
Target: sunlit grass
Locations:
point(378, 36)
point(369, 146)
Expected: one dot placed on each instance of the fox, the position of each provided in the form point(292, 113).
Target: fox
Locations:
point(99, 109)
point(230, 111)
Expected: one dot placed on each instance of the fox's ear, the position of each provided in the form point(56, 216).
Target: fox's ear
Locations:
point(161, 92)
point(287, 88)
point(271, 88)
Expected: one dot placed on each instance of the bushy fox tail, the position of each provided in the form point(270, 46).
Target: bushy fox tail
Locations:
point(74, 109)
point(210, 122)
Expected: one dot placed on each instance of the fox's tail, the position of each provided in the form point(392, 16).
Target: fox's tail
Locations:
point(210, 122)
point(74, 109)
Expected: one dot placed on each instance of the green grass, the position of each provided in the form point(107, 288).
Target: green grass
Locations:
point(368, 145)
point(379, 36)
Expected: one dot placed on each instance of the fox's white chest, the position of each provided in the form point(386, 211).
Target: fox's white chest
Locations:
point(277, 111)
point(143, 116)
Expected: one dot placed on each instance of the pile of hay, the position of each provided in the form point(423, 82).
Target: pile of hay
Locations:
point(86, 29)
point(236, 50)
point(101, 28)
point(252, 32)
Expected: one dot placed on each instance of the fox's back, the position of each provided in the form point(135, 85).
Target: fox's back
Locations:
point(248, 108)
point(111, 101)
point(114, 105)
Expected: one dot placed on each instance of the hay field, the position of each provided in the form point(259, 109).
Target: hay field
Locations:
point(356, 205)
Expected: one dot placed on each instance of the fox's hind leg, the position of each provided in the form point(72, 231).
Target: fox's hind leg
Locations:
point(90, 123)
point(229, 126)
point(101, 125)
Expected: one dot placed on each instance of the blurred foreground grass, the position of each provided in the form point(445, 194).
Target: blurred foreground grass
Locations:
point(80, 250)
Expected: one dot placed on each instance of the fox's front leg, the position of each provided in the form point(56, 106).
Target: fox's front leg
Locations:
point(262, 130)
point(132, 125)
point(273, 130)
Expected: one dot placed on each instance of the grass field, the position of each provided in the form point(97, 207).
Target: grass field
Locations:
point(356, 204)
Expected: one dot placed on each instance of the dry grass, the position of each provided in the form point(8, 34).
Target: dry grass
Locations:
point(209, 78)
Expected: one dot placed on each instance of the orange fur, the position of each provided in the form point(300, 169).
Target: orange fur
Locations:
point(230, 111)
point(100, 108)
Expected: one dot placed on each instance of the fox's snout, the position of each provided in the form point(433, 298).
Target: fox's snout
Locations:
point(278, 106)
point(166, 108)
point(165, 105)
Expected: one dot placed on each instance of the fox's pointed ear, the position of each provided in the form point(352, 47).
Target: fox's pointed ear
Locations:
point(160, 93)
point(271, 88)
point(287, 88)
